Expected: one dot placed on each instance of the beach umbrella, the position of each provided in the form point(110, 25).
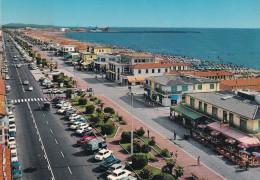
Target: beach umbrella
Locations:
point(244, 152)
point(230, 141)
point(215, 133)
point(202, 126)
point(243, 146)
point(256, 154)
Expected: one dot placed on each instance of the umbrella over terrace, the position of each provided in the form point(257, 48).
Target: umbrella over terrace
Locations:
point(202, 126)
point(215, 133)
point(244, 152)
point(243, 146)
point(230, 141)
point(256, 154)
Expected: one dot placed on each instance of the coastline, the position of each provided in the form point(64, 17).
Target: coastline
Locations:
point(62, 38)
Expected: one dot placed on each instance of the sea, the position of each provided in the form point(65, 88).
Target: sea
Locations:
point(239, 47)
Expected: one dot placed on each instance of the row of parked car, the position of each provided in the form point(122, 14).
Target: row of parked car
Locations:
point(12, 139)
point(90, 143)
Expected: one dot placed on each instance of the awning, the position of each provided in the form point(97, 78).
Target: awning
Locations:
point(139, 79)
point(111, 72)
point(67, 56)
point(186, 112)
point(131, 79)
point(234, 134)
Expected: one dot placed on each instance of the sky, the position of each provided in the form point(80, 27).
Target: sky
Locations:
point(134, 13)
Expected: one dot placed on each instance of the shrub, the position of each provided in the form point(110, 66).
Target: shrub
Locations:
point(146, 173)
point(109, 110)
point(94, 119)
point(82, 101)
point(163, 176)
point(90, 109)
point(171, 163)
point(136, 146)
point(90, 95)
point(107, 129)
point(106, 117)
point(81, 94)
point(179, 171)
point(145, 148)
point(152, 141)
point(126, 137)
point(166, 169)
point(139, 160)
point(99, 111)
point(152, 158)
point(140, 132)
point(120, 118)
point(68, 93)
point(99, 101)
point(165, 152)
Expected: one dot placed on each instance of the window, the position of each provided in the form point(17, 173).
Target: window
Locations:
point(205, 108)
point(224, 116)
point(231, 118)
point(184, 88)
point(151, 60)
point(173, 89)
point(200, 105)
point(160, 86)
point(192, 103)
point(159, 70)
point(166, 70)
point(243, 124)
point(200, 87)
point(139, 71)
point(135, 60)
point(215, 111)
point(146, 71)
point(152, 70)
point(211, 86)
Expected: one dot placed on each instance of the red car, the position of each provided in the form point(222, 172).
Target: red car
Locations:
point(85, 139)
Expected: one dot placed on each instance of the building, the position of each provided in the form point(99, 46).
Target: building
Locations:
point(170, 90)
point(3, 118)
point(87, 59)
point(98, 49)
point(103, 59)
point(217, 75)
point(66, 49)
point(120, 70)
point(222, 107)
point(64, 29)
point(250, 83)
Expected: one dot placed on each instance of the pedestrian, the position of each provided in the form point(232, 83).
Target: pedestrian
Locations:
point(176, 154)
point(198, 163)
point(174, 133)
point(247, 165)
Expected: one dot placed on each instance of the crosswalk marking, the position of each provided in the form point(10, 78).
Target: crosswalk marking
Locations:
point(28, 100)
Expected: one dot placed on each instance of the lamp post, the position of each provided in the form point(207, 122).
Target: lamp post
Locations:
point(132, 131)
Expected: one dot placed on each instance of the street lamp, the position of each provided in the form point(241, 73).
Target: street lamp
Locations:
point(132, 124)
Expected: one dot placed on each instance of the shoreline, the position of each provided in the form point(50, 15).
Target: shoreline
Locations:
point(234, 68)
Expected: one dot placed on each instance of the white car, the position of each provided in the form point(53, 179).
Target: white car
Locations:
point(8, 87)
point(5, 61)
point(14, 157)
point(81, 129)
point(7, 77)
point(18, 65)
point(63, 109)
point(13, 149)
point(26, 82)
point(12, 127)
point(54, 91)
point(78, 124)
point(30, 88)
point(63, 104)
point(102, 154)
point(11, 141)
point(74, 116)
point(118, 174)
point(115, 167)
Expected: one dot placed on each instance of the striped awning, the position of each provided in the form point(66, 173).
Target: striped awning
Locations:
point(139, 79)
point(131, 79)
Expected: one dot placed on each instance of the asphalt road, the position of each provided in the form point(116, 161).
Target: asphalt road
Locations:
point(42, 138)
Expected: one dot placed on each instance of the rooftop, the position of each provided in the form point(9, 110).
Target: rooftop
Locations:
point(150, 65)
point(176, 80)
point(2, 86)
point(203, 73)
point(237, 82)
point(2, 105)
point(137, 54)
point(234, 103)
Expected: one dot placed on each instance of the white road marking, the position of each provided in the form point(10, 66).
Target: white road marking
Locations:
point(28, 100)
point(51, 131)
point(69, 170)
point(35, 99)
point(31, 99)
point(18, 100)
point(38, 99)
point(41, 99)
point(12, 101)
point(62, 154)
point(47, 122)
point(15, 101)
point(25, 100)
point(56, 141)
point(21, 100)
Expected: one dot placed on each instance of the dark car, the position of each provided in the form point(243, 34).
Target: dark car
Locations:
point(109, 162)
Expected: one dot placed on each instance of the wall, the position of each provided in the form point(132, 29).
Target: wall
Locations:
point(206, 87)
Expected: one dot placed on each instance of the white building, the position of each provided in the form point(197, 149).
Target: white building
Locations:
point(65, 49)
point(101, 63)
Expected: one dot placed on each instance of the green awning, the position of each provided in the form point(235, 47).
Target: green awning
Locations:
point(15, 164)
point(67, 56)
point(186, 112)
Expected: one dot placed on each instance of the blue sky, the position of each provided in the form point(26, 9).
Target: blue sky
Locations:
point(134, 13)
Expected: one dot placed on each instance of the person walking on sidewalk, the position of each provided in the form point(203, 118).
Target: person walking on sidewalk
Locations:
point(174, 134)
point(198, 163)
point(176, 155)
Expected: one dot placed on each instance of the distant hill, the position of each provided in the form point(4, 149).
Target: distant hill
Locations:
point(20, 25)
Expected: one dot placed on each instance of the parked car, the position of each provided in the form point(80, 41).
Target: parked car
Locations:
point(12, 127)
point(13, 149)
point(14, 157)
point(76, 120)
point(109, 162)
point(128, 178)
point(80, 130)
point(87, 133)
point(11, 141)
point(74, 116)
point(118, 174)
point(102, 154)
point(85, 139)
point(7, 88)
point(63, 110)
point(7, 77)
point(63, 104)
point(30, 88)
point(115, 167)
point(12, 134)
point(77, 125)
